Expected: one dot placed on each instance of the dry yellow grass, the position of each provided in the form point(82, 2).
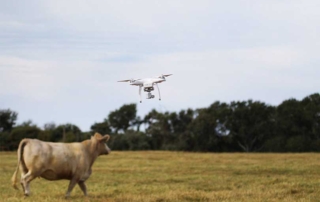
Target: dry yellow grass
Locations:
point(178, 176)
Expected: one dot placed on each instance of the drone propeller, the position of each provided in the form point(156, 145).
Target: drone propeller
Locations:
point(164, 75)
point(127, 80)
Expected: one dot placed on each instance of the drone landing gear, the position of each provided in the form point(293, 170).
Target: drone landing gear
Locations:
point(158, 91)
point(140, 94)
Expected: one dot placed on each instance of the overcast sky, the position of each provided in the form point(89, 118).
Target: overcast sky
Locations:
point(60, 60)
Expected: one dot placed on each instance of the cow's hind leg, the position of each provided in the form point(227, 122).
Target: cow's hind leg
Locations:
point(21, 182)
point(72, 183)
point(25, 181)
point(23, 171)
point(83, 187)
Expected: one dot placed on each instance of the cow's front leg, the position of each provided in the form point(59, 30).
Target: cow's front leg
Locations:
point(83, 187)
point(72, 183)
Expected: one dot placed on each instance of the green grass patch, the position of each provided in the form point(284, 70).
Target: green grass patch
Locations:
point(179, 176)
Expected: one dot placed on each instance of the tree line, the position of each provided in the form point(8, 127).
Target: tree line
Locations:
point(238, 126)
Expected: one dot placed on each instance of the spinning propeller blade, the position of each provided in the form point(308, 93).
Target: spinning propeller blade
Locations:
point(129, 80)
point(166, 75)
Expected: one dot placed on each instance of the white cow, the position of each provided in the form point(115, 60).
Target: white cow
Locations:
point(55, 161)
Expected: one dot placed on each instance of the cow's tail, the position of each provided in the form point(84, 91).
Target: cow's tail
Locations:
point(20, 156)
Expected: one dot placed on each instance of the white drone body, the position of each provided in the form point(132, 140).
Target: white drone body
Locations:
point(147, 84)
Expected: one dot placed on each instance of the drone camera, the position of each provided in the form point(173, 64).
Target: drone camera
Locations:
point(148, 89)
point(150, 96)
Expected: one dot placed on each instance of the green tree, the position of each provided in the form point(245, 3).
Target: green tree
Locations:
point(8, 119)
point(138, 122)
point(181, 138)
point(118, 142)
point(159, 129)
point(311, 106)
point(208, 129)
point(48, 131)
point(293, 124)
point(121, 119)
point(63, 132)
point(4, 141)
point(49, 126)
point(250, 124)
point(299, 123)
point(290, 118)
point(27, 123)
point(180, 121)
point(137, 140)
point(21, 132)
point(102, 127)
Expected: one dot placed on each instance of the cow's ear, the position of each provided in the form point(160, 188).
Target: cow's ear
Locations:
point(105, 138)
point(97, 135)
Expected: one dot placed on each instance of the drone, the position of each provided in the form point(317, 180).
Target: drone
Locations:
point(147, 84)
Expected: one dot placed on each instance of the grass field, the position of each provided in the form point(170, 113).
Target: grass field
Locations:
point(178, 176)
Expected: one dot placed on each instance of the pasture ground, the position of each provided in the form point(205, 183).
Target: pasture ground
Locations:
point(179, 176)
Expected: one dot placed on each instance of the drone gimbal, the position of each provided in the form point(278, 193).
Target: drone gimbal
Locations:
point(149, 90)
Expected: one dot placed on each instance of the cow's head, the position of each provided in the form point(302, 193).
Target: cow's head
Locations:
point(102, 146)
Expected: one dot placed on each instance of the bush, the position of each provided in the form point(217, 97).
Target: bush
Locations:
point(275, 144)
point(18, 133)
point(298, 143)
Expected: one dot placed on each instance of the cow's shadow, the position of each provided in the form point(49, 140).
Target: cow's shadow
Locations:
point(89, 197)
